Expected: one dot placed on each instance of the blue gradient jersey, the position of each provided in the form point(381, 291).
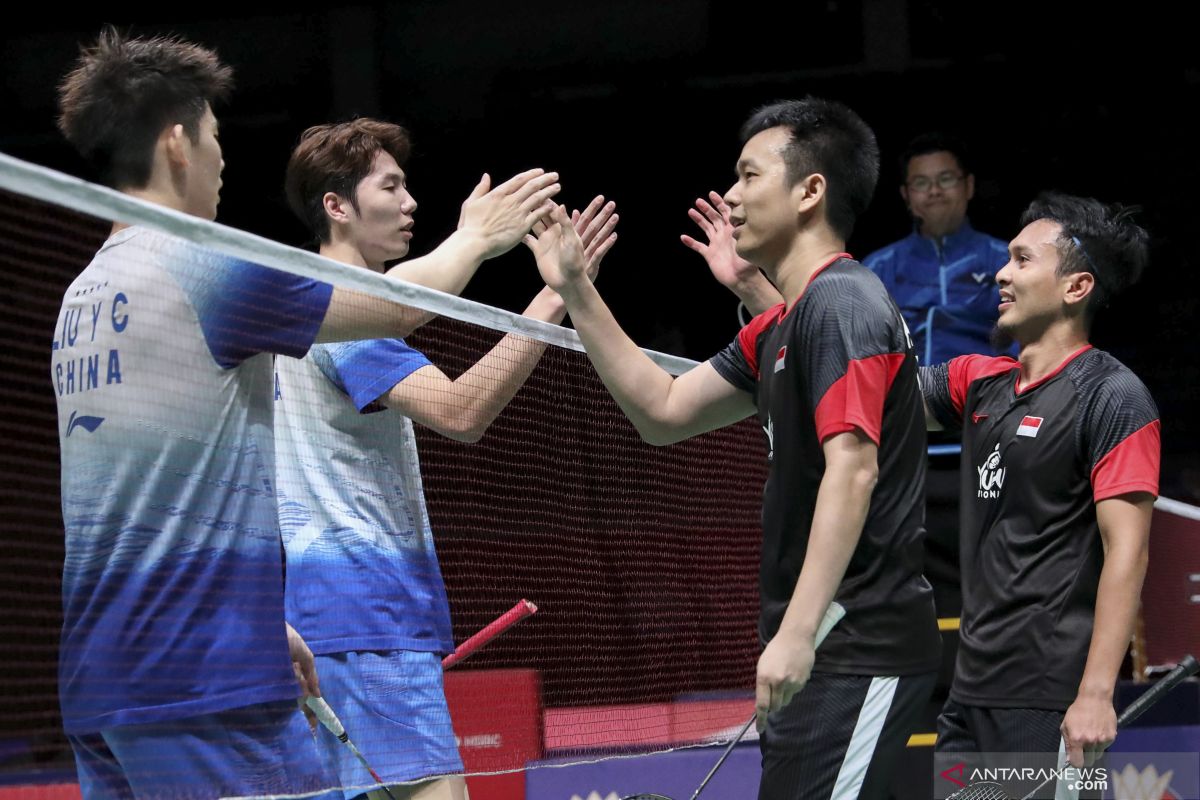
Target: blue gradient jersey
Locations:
point(172, 587)
point(362, 571)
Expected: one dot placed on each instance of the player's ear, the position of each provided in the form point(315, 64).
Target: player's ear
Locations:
point(1078, 288)
point(174, 141)
point(808, 192)
point(337, 208)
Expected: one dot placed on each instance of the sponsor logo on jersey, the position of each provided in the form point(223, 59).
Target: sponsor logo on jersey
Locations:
point(89, 424)
point(991, 476)
point(1030, 426)
point(769, 430)
point(977, 418)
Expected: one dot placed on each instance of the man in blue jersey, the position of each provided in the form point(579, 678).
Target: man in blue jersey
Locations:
point(364, 586)
point(174, 673)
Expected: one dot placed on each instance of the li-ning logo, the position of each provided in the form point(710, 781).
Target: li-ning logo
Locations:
point(991, 476)
point(769, 430)
point(89, 424)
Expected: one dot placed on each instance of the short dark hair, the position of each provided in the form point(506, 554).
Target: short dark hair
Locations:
point(829, 138)
point(335, 158)
point(124, 92)
point(1096, 238)
point(935, 142)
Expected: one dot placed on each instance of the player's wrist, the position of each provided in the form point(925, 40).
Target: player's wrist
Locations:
point(472, 243)
point(1096, 690)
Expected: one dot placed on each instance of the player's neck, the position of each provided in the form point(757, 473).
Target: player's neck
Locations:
point(153, 194)
point(347, 253)
point(810, 250)
point(1047, 352)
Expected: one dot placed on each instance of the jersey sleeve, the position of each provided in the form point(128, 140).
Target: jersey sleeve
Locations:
point(1122, 436)
point(245, 308)
point(368, 369)
point(738, 362)
point(852, 349)
point(945, 386)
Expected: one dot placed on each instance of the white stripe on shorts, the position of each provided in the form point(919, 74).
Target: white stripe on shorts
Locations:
point(866, 734)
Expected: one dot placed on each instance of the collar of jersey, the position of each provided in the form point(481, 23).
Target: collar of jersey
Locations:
point(812, 278)
point(1017, 383)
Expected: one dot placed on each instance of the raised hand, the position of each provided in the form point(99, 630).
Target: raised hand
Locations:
point(734, 272)
point(726, 265)
point(595, 227)
point(559, 252)
point(500, 217)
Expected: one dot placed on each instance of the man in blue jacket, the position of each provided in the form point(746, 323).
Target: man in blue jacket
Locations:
point(942, 275)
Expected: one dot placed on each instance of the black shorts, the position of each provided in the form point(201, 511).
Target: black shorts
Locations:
point(986, 730)
point(979, 729)
point(842, 736)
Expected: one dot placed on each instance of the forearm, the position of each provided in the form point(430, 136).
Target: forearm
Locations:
point(354, 315)
point(639, 386)
point(1117, 601)
point(838, 518)
point(488, 387)
point(448, 268)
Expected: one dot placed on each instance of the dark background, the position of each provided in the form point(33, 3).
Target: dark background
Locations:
point(642, 101)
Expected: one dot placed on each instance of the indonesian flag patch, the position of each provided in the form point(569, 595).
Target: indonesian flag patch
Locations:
point(780, 357)
point(1030, 426)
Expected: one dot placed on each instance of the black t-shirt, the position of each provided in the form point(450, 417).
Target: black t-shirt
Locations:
point(1036, 460)
point(841, 360)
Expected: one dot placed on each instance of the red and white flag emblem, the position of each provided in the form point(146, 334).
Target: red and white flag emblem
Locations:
point(1029, 426)
point(780, 357)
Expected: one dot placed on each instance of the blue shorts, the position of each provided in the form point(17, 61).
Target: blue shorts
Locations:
point(394, 709)
point(255, 750)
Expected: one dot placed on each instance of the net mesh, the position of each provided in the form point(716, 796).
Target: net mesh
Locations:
point(642, 561)
point(1171, 591)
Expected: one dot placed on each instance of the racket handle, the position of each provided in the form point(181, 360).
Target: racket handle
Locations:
point(326, 716)
point(833, 615)
point(1185, 669)
point(498, 626)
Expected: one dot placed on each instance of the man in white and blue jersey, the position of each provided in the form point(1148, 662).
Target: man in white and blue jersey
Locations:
point(175, 675)
point(363, 582)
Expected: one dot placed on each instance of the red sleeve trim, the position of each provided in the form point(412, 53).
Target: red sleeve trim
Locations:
point(855, 400)
point(748, 336)
point(1131, 466)
point(965, 370)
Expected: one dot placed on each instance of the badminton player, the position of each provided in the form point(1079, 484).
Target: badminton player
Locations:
point(1063, 448)
point(174, 673)
point(363, 583)
point(833, 377)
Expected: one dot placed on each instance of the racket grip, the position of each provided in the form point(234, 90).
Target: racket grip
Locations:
point(498, 626)
point(326, 716)
point(833, 615)
point(1185, 669)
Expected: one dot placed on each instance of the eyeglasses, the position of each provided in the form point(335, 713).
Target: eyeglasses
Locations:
point(947, 180)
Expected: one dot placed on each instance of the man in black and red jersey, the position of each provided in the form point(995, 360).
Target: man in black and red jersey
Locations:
point(833, 376)
point(1060, 471)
